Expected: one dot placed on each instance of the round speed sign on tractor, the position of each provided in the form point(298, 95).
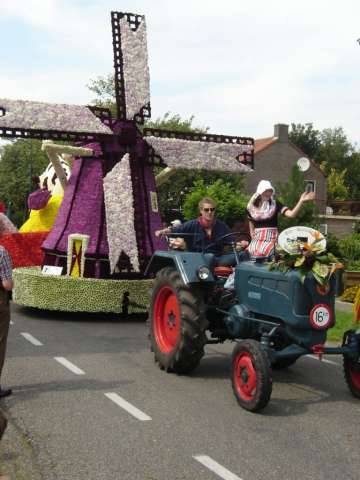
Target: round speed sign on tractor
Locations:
point(321, 317)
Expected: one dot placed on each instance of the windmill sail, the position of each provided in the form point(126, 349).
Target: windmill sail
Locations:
point(27, 119)
point(132, 79)
point(202, 151)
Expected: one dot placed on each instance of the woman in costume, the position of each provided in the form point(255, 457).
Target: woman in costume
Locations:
point(263, 211)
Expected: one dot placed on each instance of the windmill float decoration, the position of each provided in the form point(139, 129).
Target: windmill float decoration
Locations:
point(110, 198)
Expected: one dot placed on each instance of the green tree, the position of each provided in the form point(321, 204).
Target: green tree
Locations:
point(173, 193)
point(306, 138)
point(336, 188)
point(231, 204)
point(332, 150)
point(104, 89)
point(289, 193)
point(335, 150)
point(175, 123)
point(20, 160)
point(352, 177)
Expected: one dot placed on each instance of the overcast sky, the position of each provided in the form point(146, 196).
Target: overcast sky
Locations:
point(238, 67)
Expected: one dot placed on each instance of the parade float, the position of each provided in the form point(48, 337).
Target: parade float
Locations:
point(95, 254)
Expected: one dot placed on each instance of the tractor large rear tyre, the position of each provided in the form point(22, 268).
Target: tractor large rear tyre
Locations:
point(352, 368)
point(251, 375)
point(177, 323)
point(352, 374)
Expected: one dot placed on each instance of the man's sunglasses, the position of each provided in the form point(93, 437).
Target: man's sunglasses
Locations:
point(209, 209)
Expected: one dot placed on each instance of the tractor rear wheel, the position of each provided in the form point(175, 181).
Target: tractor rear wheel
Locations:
point(251, 375)
point(177, 323)
point(352, 374)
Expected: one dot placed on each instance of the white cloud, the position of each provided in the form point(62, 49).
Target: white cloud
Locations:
point(239, 67)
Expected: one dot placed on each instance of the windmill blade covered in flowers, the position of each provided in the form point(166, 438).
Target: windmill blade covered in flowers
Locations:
point(110, 197)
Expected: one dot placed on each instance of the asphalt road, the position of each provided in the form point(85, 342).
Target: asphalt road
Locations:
point(89, 403)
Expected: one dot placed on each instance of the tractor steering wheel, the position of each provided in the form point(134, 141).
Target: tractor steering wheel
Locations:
point(220, 239)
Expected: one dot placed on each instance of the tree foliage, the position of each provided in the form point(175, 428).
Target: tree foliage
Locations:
point(352, 177)
point(332, 150)
point(20, 160)
point(306, 138)
point(336, 188)
point(231, 203)
point(335, 149)
point(104, 89)
point(175, 123)
point(173, 193)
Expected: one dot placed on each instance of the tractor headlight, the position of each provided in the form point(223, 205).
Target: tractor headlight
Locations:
point(203, 273)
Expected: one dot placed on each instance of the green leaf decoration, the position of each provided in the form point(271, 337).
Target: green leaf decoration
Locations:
point(323, 258)
point(320, 263)
point(320, 269)
point(319, 279)
point(299, 261)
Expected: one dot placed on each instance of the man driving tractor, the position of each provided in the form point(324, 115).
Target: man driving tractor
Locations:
point(204, 234)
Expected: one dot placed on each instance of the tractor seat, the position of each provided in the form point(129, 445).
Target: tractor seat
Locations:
point(223, 271)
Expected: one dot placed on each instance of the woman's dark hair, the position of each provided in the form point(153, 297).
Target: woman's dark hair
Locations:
point(258, 199)
point(35, 179)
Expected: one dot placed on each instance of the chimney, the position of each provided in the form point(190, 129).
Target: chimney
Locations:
point(281, 131)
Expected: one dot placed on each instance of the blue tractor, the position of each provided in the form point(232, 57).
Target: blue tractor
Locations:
point(274, 317)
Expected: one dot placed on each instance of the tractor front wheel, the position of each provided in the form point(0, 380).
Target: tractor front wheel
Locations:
point(251, 375)
point(177, 323)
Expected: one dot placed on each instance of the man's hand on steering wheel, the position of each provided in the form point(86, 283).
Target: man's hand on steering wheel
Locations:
point(177, 243)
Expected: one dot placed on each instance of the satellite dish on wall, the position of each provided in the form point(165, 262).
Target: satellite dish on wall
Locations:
point(303, 164)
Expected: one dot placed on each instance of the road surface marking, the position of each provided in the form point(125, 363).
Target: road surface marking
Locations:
point(215, 467)
point(135, 412)
point(31, 339)
point(73, 368)
point(324, 360)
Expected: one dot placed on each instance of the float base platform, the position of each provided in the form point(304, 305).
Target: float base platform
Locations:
point(70, 294)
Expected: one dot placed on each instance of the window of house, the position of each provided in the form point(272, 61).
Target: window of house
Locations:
point(310, 185)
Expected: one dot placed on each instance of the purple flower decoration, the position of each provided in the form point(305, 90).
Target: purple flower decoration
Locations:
point(38, 199)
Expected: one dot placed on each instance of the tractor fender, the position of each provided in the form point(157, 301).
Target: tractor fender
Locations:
point(186, 263)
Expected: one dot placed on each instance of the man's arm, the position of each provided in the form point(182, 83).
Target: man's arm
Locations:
point(183, 228)
point(6, 270)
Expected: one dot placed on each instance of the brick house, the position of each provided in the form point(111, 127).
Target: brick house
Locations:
point(275, 157)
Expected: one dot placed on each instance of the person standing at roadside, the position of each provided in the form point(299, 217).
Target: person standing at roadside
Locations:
point(6, 285)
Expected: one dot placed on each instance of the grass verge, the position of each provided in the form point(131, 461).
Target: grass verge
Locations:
point(344, 321)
